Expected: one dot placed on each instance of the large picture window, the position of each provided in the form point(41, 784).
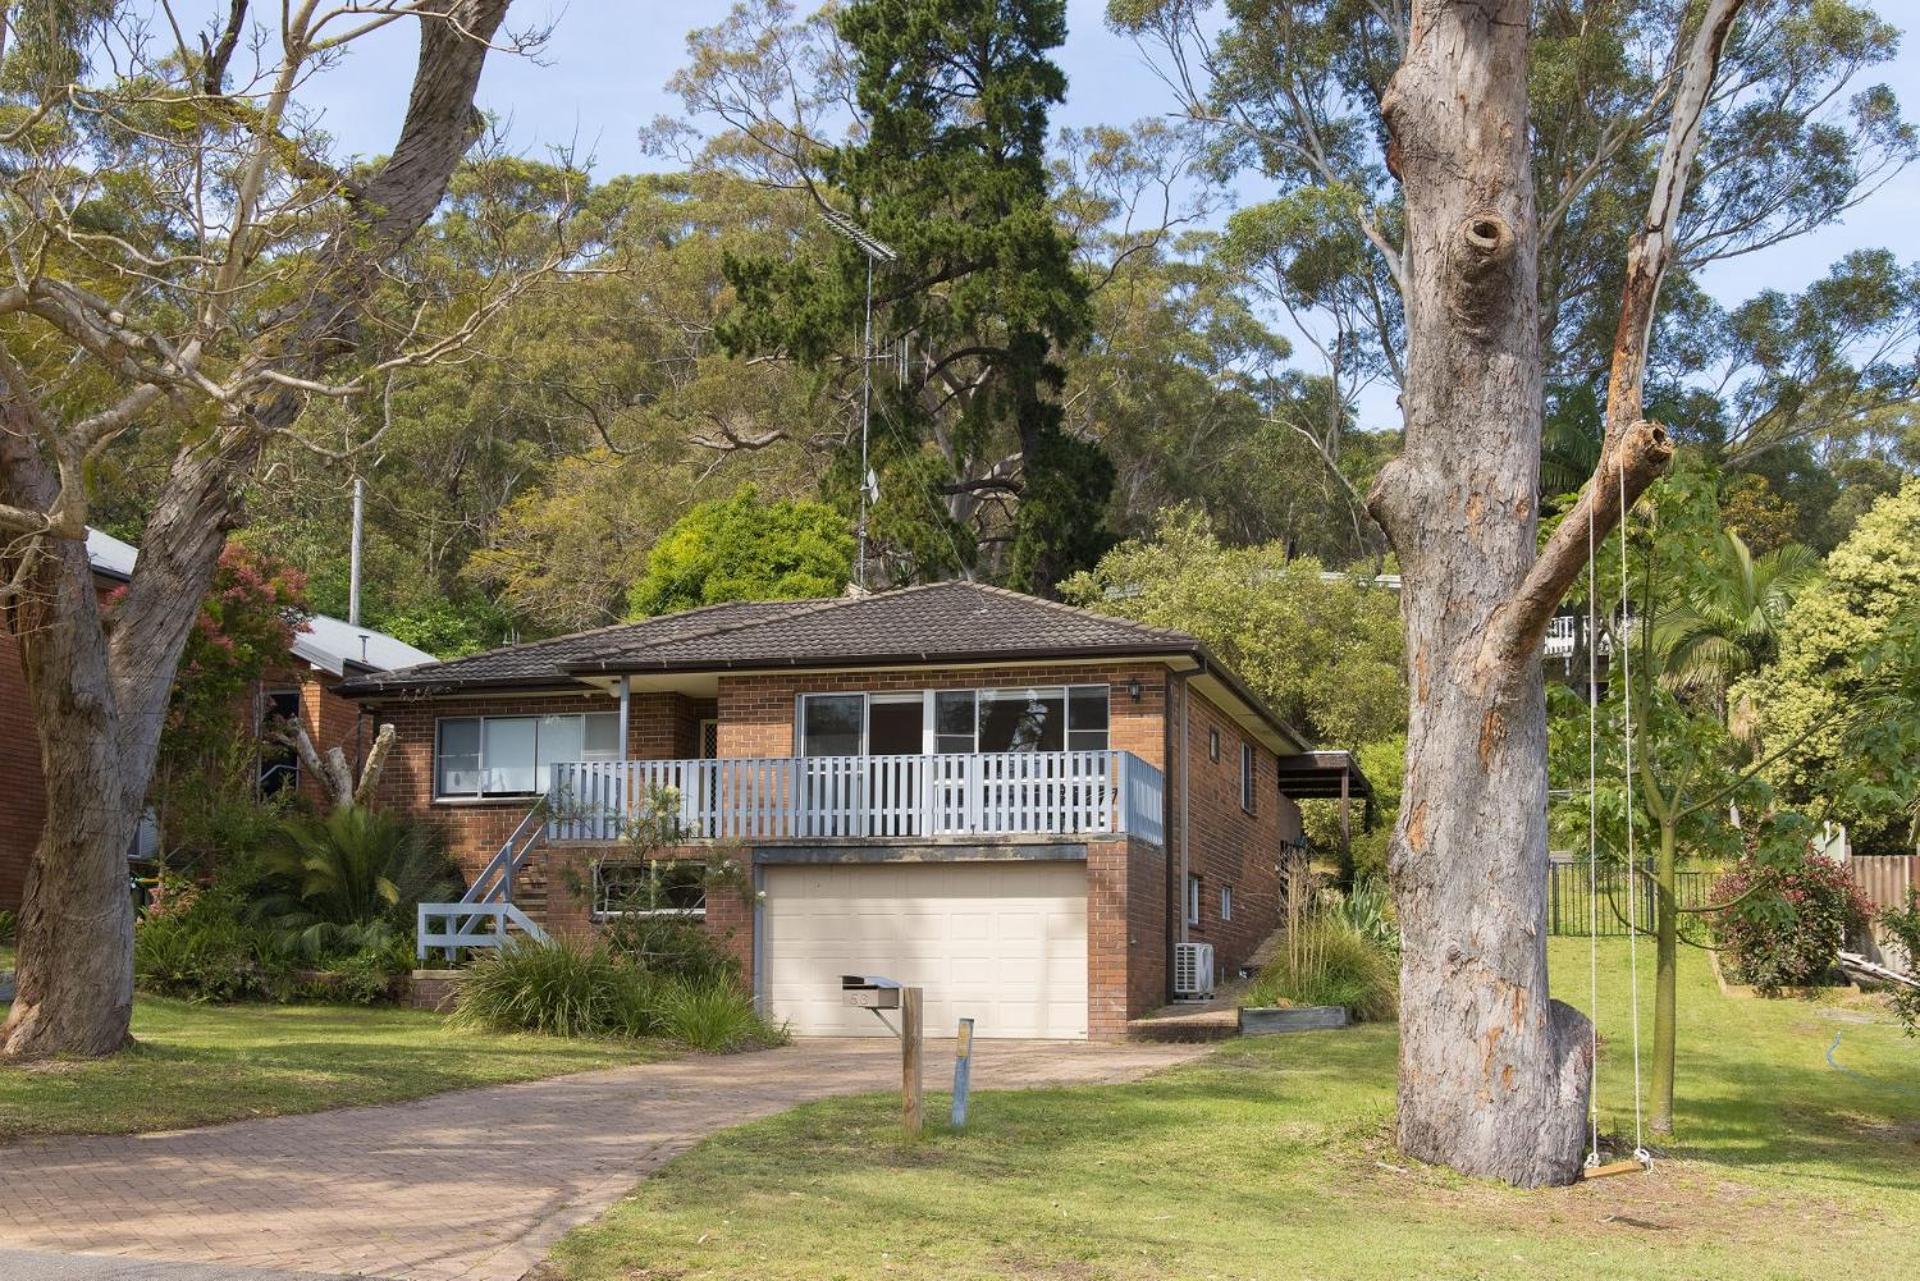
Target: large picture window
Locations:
point(1052, 718)
point(512, 755)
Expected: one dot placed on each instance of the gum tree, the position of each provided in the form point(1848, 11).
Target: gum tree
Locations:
point(187, 271)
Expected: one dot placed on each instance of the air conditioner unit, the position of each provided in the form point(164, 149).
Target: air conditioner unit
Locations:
point(1193, 969)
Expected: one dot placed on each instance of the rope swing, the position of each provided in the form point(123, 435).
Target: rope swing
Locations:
point(1641, 1160)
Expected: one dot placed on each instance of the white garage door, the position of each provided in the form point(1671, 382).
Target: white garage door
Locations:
point(1004, 944)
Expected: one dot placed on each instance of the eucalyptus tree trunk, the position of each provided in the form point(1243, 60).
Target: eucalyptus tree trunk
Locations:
point(100, 682)
point(1494, 1074)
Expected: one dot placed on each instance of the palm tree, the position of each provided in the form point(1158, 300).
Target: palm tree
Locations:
point(1728, 624)
point(352, 877)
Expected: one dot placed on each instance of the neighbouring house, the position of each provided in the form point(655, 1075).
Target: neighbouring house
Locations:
point(324, 652)
point(1021, 807)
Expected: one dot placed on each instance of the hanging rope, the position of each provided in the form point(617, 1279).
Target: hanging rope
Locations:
point(1593, 849)
point(1640, 1153)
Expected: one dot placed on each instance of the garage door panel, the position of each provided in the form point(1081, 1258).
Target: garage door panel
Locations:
point(1002, 944)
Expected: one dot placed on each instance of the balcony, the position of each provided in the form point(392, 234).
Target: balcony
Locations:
point(785, 798)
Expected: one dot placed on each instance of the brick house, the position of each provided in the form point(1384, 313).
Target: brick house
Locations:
point(324, 652)
point(1019, 806)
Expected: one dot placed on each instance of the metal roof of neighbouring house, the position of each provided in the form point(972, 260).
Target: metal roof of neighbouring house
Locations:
point(936, 623)
point(328, 643)
point(337, 646)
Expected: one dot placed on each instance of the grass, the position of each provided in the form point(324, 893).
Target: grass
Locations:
point(1273, 1158)
point(198, 1064)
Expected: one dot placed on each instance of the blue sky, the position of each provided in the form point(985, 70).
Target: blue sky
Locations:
point(603, 75)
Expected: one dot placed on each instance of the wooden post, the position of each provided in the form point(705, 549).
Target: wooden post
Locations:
point(910, 1044)
point(1346, 819)
point(962, 1072)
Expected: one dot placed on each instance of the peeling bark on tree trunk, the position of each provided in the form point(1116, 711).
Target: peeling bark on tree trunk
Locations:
point(1493, 1073)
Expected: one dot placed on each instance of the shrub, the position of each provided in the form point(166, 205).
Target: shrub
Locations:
point(561, 987)
point(9, 927)
point(1368, 908)
point(204, 956)
point(567, 987)
point(1787, 921)
point(673, 947)
point(366, 976)
point(1327, 961)
point(717, 1017)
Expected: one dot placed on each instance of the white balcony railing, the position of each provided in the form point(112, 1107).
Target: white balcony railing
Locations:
point(801, 797)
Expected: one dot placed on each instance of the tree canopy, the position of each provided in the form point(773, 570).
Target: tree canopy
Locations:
point(742, 548)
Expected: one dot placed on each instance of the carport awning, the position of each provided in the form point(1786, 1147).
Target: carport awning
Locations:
point(1322, 776)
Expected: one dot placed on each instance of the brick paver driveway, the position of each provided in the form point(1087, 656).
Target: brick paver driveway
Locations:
point(476, 1184)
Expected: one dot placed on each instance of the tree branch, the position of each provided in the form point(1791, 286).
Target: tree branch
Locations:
point(1634, 452)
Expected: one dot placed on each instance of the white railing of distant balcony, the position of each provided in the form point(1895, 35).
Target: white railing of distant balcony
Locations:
point(801, 797)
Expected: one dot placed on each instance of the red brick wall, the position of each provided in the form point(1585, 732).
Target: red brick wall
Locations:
point(1225, 844)
point(567, 873)
point(756, 712)
point(1126, 934)
point(660, 726)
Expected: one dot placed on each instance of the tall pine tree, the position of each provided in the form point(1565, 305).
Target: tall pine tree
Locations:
point(977, 473)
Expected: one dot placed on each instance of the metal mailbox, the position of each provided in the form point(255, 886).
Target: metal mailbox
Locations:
point(870, 991)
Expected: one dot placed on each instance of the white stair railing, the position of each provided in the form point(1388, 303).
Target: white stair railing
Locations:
point(488, 899)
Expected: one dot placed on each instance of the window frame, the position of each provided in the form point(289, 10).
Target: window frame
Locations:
point(978, 696)
point(1195, 899)
point(541, 785)
point(1226, 902)
point(597, 909)
point(1249, 778)
point(289, 768)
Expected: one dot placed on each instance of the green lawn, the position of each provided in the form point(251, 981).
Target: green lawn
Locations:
point(1272, 1158)
point(197, 1064)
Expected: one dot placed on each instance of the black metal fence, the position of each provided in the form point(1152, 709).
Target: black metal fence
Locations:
point(1571, 902)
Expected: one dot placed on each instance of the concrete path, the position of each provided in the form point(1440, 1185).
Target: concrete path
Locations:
point(474, 1186)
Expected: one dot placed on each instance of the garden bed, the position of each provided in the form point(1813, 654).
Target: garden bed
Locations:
point(1275, 1020)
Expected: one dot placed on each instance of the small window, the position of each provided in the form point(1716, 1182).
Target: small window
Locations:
point(1249, 776)
point(1193, 900)
point(600, 740)
point(1226, 902)
point(955, 720)
point(663, 887)
point(1213, 745)
point(457, 758)
point(832, 724)
point(1087, 713)
point(279, 762)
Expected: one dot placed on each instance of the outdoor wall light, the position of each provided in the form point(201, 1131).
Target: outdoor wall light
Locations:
point(1133, 689)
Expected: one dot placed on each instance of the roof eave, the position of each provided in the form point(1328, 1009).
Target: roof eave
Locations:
point(921, 658)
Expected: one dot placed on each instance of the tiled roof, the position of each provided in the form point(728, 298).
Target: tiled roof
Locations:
point(549, 662)
point(954, 622)
point(936, 622)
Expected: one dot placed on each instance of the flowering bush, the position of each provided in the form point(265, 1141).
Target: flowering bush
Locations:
point(1787, 921)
